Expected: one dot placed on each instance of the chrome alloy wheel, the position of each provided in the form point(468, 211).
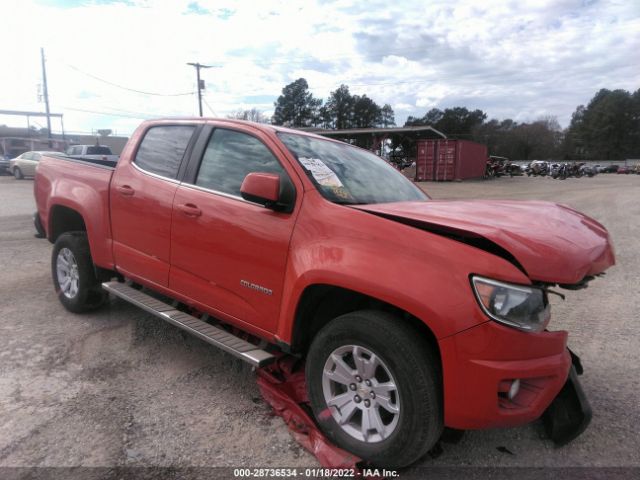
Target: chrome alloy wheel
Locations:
point(361, 393)
point(67, 271)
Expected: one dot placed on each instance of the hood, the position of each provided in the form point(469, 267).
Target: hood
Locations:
point(551, 243)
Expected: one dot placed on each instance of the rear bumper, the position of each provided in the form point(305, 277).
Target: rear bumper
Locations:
point(480, 364)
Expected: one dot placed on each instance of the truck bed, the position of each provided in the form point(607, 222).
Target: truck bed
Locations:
point(96, 161)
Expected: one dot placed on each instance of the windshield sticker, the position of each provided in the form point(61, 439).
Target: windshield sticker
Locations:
point(321, 173)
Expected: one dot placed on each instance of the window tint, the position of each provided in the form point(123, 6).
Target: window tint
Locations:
point(162, 149)
point(229, 157)
point(36, 157)
point(26, 156)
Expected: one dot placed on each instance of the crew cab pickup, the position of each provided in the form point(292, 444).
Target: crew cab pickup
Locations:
point(91, 152)
point(412, 314)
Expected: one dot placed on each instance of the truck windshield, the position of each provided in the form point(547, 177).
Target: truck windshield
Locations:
point(98, 150)
point(348, 175)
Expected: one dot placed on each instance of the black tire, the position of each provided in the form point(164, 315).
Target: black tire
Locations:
point(89, 294)
point(415, 369)
point(17, 173)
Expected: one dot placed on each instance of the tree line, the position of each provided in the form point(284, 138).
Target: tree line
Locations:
point(297, 107)
point(607, 128)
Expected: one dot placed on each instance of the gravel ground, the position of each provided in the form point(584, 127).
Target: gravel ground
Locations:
point(120, 388)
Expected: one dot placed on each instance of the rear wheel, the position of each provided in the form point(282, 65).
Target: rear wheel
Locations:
point(374, 387)
point(18, 173)
point(74, 277)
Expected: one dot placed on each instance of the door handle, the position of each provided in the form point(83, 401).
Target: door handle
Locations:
point(190, 210)
point(125, 190)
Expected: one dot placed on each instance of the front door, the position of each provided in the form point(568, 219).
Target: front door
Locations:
point(227, 253)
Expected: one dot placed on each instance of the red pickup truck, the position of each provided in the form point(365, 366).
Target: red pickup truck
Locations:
point(412, 314)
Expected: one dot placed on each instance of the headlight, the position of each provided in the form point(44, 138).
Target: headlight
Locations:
point(518, 306)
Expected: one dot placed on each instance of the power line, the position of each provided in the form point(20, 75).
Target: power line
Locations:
point(126, 88)
point(144, 114)
point(199, 66)
point(209, 107)
point(105, 113)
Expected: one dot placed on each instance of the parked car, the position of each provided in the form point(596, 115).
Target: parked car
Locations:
point(25, 165)
point(92, 152)
point(411, 314)
point(588, 170)
point(612, 169)
point(625, 170)
point(4, 165)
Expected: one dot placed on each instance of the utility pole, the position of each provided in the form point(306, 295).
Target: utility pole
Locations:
point(200, 82)
point(46, 95)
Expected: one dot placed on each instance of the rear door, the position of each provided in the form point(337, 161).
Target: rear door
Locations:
point(141, 197)
point(227, 253)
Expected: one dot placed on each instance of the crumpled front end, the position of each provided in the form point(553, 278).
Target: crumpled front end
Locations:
point(496, 376)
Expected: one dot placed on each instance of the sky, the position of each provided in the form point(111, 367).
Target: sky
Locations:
point(518, 59)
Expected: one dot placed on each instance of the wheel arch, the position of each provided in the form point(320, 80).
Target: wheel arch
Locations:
point(64, 219)
point(321, 303)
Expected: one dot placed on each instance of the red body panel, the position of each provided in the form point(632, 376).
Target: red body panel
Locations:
point(231, 241)
point(141, 208)
point(553, 243)
point(446, 159)
point(250, 265)
point(338, 245)
point(80, 187)
point(476, 361)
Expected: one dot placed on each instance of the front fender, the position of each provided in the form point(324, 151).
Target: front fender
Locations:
point(419, 272)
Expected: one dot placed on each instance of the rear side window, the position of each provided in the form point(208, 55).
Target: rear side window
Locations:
point(162, 149)
point(230, 156)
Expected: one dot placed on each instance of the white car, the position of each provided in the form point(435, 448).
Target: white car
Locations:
point(25, 165)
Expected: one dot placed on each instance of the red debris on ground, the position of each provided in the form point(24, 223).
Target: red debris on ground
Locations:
point(282, 385)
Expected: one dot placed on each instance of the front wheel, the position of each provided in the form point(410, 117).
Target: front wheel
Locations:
point(74, 277)
point(17, 173)
point(374, 387)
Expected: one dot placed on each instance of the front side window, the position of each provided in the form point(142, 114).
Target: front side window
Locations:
point(162, 149)
point(349, 175)
point(230, 156)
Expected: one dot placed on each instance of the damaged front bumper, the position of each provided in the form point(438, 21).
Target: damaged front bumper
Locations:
point(495, 377)
point(570, 413)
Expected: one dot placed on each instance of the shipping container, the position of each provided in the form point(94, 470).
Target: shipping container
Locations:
point(444, 159)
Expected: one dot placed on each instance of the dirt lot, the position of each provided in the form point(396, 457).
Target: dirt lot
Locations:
point(118, 387)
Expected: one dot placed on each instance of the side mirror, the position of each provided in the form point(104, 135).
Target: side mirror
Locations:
point(262, 188)
point(267, 189)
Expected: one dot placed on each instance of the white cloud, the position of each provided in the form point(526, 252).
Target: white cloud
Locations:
point(512, 59)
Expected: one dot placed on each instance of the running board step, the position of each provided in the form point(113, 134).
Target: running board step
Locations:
point(209, 333)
